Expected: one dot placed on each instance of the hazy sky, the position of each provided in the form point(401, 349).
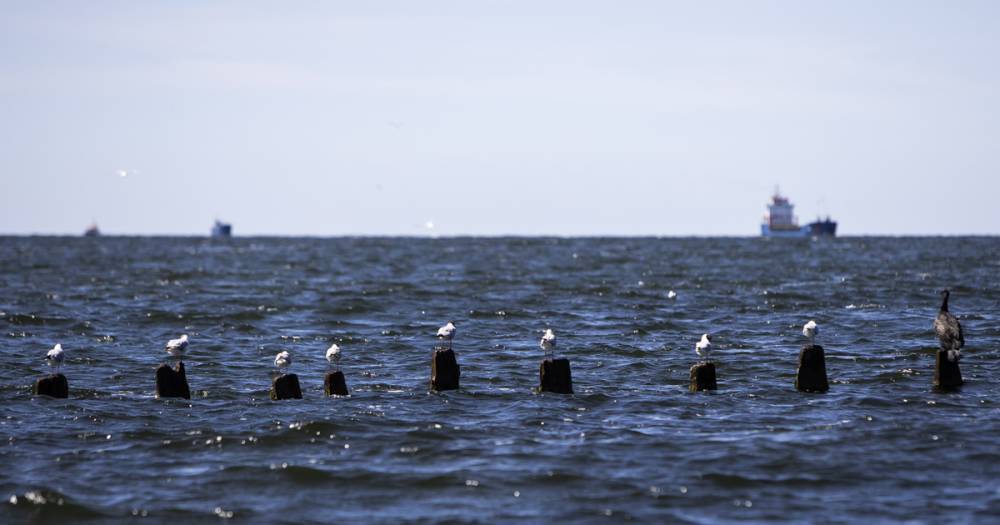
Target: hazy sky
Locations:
point(531, 117)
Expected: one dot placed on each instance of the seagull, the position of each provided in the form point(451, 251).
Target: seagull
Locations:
point(283, 360)
point(810, 330)
point(548, 341)
point(333, 354)
point(949, 330)
point(177, 347)
point(447, 332)
point(671, 295)
point(704, 346)
point(55, 357)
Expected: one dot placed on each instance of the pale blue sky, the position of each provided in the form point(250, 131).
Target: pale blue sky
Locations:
point(630, 118)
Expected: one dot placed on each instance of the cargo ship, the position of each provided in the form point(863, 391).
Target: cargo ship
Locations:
point(222, 229)
point(780, 221)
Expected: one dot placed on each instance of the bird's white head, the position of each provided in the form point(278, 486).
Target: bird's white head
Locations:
point(57, 347)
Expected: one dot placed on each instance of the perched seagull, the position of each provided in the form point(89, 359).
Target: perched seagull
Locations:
point(283, 360)
point(949, 330)
point(671, 295)
point(810, 330)
point(55, 357)
point(704, 347)
point(548, 341)
point(333, 354)
point(447, 332)
point(176, 347)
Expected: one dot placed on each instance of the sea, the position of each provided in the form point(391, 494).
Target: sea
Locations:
point(631, 444)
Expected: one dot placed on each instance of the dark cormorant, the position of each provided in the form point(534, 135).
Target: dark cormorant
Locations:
point(948, 329)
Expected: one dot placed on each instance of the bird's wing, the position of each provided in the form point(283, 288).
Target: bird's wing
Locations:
point(940, 326)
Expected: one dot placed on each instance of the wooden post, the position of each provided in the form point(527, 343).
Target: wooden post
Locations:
point(811, 374)
point(947, 375)
point(285, 386)
point(444, 370)
point(172, 382)
point(53, 385)
point(703, 377)
point(555, 376)
point(335, 384)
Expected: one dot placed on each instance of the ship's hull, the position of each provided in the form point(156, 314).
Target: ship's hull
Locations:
point(825, 228)
point(814, 229)
point(222, 230)
point(788, 233)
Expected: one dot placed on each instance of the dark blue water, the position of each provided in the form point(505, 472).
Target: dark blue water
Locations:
point(631, 444)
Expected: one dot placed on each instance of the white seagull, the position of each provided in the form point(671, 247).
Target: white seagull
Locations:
point(447, 332)
point(810, 330)
point(548, 341)
point(55, 357)
point(283, 360)
point(333, 354)
point(704, 347)
point(176, 347)
point(671, 295)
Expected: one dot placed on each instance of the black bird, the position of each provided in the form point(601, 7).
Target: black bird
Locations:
point(948, 329)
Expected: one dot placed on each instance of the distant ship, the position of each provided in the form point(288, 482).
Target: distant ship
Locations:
point(222, 229)
point(780, 221)
point(92, 231)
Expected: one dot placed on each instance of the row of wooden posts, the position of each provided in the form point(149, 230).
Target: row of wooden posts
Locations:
point(554, 376)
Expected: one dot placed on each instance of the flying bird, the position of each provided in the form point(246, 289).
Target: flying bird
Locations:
point(704, 347)
point(810, 330)
point(949, 330)
point(177, 347)
point(283, 360)
point(55, 357)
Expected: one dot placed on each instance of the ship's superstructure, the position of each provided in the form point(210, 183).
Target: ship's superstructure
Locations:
point(780, 221)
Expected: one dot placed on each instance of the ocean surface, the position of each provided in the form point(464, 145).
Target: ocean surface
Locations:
point(632, 444)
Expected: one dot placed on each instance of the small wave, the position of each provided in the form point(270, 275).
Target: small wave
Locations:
point(46, 505)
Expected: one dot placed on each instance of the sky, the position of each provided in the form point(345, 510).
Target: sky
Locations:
point(498, 117)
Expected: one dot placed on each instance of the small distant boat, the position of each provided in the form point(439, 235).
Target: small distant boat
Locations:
point(780, 221)
point(92, 231)
point(222, 229)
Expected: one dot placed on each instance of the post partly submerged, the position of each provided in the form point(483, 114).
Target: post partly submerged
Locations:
point(946, 372)
point(555, 376)
point(335, 384)
point(285, 386)
point(811, 374)
point(172, 382)
point(703, 377)
point(52, 385)
point(444, 370)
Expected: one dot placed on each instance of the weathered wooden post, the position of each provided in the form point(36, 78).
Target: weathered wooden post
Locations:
point(285, 386)
point(946, 372)
point(703, 377)
point(555, 376)
point(444, 370)
point(811, 374)
point(172, 382)
point(52, 385)
point(335, 384)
